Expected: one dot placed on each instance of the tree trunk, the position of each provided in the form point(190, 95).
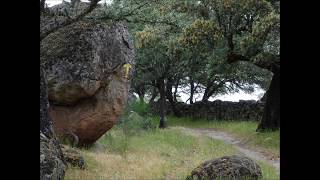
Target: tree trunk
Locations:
point(271, 115)
point(175, 91)
point(191, 90)
point(170, 98)
point(42, 5)
point(264, 97)
point(140, 90)
point(211, 90)
point(153, 96)
point(141, 97)
point(207, 94)
point(162, 104)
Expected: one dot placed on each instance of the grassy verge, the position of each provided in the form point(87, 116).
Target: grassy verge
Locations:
point(245, 130)
point(157, 154)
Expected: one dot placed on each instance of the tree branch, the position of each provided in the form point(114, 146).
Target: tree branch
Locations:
point(267, 61)
point(42, 5)
point(92, 6)
point(153, 22)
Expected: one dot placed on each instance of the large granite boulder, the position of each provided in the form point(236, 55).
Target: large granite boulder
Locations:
point(52, 164)
point(86, 65)
point(227, 167)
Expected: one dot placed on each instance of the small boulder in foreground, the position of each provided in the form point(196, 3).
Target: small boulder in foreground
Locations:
point(227, 167)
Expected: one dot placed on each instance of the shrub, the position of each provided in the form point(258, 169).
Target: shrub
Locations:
point(136, 118)
point(133, 122)
point(141, 108)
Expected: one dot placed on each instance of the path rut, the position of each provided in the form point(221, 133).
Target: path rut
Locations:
point(227, 138)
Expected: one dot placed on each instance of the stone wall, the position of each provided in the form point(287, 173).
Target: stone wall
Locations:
point(221, 110)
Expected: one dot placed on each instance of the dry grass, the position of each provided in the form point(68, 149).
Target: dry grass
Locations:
point(159, 154)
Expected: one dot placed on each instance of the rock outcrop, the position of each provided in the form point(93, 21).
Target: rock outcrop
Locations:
point(227, 167)
point(52, 164)
point(88, 81)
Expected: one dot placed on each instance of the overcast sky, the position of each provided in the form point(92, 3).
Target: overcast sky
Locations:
point(228, 97)
point(241, 95)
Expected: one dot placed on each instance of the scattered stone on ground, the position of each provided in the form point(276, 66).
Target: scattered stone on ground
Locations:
point(73, 157)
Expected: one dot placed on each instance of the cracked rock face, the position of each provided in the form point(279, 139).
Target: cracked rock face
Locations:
point(52, 165)
point(87, 83)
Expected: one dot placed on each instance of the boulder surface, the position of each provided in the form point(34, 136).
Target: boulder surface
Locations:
point(227, 167)
point(88, 82)
point(52, 163)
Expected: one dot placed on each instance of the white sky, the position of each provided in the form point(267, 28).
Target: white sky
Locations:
point(235, 97)
point(256, 95)
point(241, 95)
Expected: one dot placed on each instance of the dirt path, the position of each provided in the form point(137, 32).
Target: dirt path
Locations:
point(252, 153)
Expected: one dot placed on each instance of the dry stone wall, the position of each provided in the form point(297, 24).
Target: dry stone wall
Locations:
point(220, 110)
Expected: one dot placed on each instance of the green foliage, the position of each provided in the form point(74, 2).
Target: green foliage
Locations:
point(134, 121)
point(141, 108)
point(200, 32)
point(189, 42)
point(264, 37)
point(197, 47)
point(147, 37)
point(135, 118)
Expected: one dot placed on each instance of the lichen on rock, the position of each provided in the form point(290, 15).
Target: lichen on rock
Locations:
point(227, 167)
point(87, 82)
point(52, 164)
point(73, 157)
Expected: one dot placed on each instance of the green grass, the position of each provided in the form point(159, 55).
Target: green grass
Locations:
point(157, 154)
point(245, 130)
point(137, 150)
point(268, 172)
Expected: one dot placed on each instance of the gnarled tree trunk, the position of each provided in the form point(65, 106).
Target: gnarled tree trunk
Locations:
point(271, 116)
point(175, 91)
point(161, 86)
point(141, 93)
point(191, 91)
point(205, 96)
point(153, 96)
point(170, 98)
